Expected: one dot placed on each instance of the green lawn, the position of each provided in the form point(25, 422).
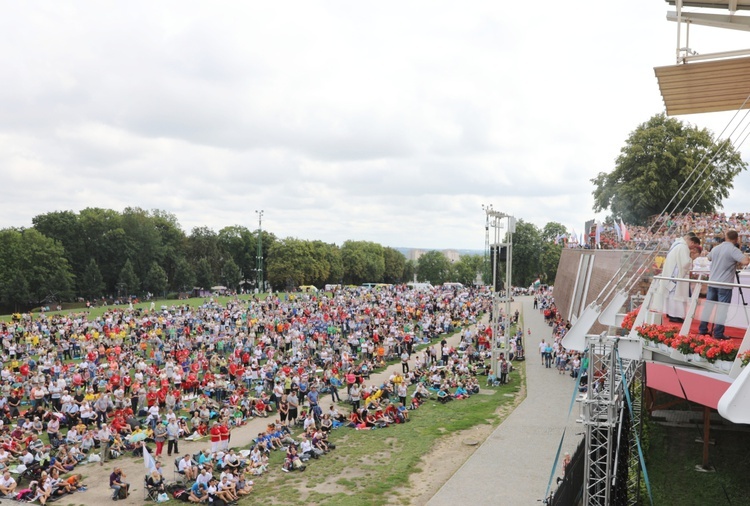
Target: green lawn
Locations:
point(192, 302)
point(674, 454)
point(369, 468)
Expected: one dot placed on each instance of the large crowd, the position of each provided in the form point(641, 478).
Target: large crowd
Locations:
point(552, 353)
point(664, 229)
point(77, 389)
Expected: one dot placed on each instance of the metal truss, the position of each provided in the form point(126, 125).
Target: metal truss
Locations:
point(612, 469)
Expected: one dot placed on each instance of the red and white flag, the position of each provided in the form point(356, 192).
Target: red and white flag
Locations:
point(624, 229)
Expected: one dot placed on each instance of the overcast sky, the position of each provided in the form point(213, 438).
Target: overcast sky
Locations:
point(384, 121)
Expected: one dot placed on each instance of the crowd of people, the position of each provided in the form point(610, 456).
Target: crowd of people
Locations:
point(75, 388)
point(665, 229)
point(552, 354)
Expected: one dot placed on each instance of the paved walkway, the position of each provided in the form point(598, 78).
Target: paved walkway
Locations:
point(512, 467)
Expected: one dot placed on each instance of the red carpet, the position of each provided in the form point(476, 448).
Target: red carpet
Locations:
point(731, 332)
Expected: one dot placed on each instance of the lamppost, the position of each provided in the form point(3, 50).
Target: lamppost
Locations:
point(500, 221)
point(259, 258)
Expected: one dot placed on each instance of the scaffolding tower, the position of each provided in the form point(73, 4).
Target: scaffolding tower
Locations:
point(612, 467)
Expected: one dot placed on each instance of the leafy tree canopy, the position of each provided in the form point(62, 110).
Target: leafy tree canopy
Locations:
point(658, 157)
point(434, 267)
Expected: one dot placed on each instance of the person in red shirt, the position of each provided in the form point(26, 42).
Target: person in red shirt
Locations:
point(126, 383)
point(224, 431)
point(151, 398)
point(215, 437)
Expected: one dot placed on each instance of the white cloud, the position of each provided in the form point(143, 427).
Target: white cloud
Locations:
point(392, 122)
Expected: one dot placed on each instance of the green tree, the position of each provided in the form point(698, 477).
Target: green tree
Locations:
point(553, 230)
point(42, 262)
point(143, 239)
point(128, 280)
point(395, 262)
point(204, 274)
point(173, 240)
point(230, 274)
point(658, 157)
point(184, 276)
point(240, 244)
point(467, 268)
point(203, 244)
point(410, 268)
point(156, 280)
point(527, 249)
point(15, 290)
point(92, 283)
point(363, 262)
point(434, 267)
point(548, 262)
point(66, 228)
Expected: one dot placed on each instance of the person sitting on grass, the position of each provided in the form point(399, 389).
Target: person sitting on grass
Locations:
point(307, 450)
point(292, 460)
point(37, 492)
point(461, 392)
point(244, 486)
point(226, 490)
point(7, 484)
point(444, 394)
point(198, 492)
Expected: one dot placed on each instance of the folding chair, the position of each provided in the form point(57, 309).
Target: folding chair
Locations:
point(149, 493)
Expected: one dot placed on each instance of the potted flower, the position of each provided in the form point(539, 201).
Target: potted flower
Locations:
point(629, 320)
point(745, 358)
point(687, 344)
point(721, 352)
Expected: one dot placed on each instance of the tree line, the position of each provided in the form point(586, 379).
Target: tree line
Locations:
point(101, 252)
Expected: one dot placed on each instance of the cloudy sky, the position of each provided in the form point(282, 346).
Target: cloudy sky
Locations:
point(384, 121)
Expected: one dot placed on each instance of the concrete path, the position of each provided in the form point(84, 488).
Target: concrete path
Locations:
point(512, 467)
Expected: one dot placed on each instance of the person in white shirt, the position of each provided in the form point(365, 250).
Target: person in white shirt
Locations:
point(4, 457)
point(187, 468)
point(204, 476)
point(7, 484)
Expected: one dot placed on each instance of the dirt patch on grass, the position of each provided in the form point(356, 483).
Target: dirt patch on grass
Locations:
point(450, 452)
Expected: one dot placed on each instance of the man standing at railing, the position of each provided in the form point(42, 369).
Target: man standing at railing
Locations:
point(676, 265)
point(724, 261)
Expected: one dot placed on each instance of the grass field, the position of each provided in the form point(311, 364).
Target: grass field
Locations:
point(372, 467)
point(672, 458)
point(192, 302)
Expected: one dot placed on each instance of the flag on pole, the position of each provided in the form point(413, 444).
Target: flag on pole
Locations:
point(598, 236)
point(625, 233)
point(618, 231)
point(148, 460)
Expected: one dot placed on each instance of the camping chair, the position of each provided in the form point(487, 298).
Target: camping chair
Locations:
point(179, 476)
point(149, 493)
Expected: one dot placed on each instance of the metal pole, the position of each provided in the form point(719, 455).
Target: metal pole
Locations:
point(508, 279)
point(706, 434)
point(259, 259)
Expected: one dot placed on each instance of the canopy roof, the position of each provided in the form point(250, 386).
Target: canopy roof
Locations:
point(736, 5)
point(710, 86)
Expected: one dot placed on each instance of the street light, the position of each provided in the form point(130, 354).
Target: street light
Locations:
point(497, 221)
point(259, 259)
